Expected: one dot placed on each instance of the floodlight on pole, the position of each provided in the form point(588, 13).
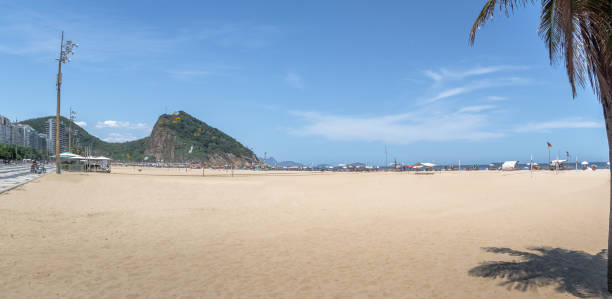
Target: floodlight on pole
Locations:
point(66, 49)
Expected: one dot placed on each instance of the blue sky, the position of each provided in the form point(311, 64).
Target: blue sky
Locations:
point(309, 81)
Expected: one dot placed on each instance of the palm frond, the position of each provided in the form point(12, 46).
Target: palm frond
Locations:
point(579, 32)
point(548, 30)
point(488, 11)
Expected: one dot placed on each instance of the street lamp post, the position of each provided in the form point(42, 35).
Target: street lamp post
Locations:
point(65, 50)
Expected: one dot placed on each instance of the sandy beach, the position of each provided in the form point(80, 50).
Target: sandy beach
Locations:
point(160, 233)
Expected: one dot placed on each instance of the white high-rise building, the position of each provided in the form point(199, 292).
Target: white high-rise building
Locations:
point(21, 135)
point(6, 130)
point(50, 134)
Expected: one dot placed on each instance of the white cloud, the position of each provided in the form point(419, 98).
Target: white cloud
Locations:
point(453, 92)
point(120, 137)
point(477, 108)
point(294, 80)
point(401, 128)
point(433, 75)
point(570, 123)
point(496, 98)
point(108, 124)
point(81, 123)
point(476, 85)
point(122, 124)
point(444, 74)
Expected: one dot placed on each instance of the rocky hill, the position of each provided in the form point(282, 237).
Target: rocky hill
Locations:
point(177, 137)
point(181, 137)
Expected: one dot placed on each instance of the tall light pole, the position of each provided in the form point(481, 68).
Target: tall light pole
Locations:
point(65, 50)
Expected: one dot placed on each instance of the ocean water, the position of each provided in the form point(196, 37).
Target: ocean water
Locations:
point(522, 166)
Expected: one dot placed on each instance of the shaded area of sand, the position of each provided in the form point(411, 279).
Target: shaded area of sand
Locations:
point(156, 233)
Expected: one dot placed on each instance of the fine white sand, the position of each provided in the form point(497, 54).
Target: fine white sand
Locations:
point(167, 233)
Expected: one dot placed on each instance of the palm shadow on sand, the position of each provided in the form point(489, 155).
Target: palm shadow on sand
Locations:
point(575, 272)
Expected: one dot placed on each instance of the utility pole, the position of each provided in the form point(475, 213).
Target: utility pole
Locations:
point(57, 114)
point(386, 157)
point(65, 50)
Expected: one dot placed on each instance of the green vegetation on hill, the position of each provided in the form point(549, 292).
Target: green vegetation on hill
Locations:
point(116, 151)
point(175, 133)
point(206, 143)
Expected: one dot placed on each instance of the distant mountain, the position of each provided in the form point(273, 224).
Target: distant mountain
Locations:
point(356, 164)
point(175, 137)
point(270, 161)
point(289, 164)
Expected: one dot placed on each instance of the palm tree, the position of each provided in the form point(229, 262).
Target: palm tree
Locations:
point(578, 33)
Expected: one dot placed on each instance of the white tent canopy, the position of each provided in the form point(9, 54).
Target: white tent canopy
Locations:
point(510, 165)
point(97, 158)
point(584, 163)
point(68, 155)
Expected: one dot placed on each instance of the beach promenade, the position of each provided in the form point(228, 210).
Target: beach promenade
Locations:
point(168, 233)
point(17, 174)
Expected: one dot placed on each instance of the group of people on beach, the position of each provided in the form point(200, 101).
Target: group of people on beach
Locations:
point(37, 168)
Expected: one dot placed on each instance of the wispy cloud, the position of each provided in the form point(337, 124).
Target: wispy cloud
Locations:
point(31, 32)
point(122, 125)
point(476, 85)
point(570, 123)
point(294, 80)
point(496, 98)
point(404, 128)
point(443, 73)
point(81, 123)
point(476, 108)
point(433, 75)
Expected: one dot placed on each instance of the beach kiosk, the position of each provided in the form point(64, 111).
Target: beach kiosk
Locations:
point(426, 167)
point(510, 165)
point(98, 164)
point(557, 164)
point(71, 162)
point(585, 165)
point(74, 162)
